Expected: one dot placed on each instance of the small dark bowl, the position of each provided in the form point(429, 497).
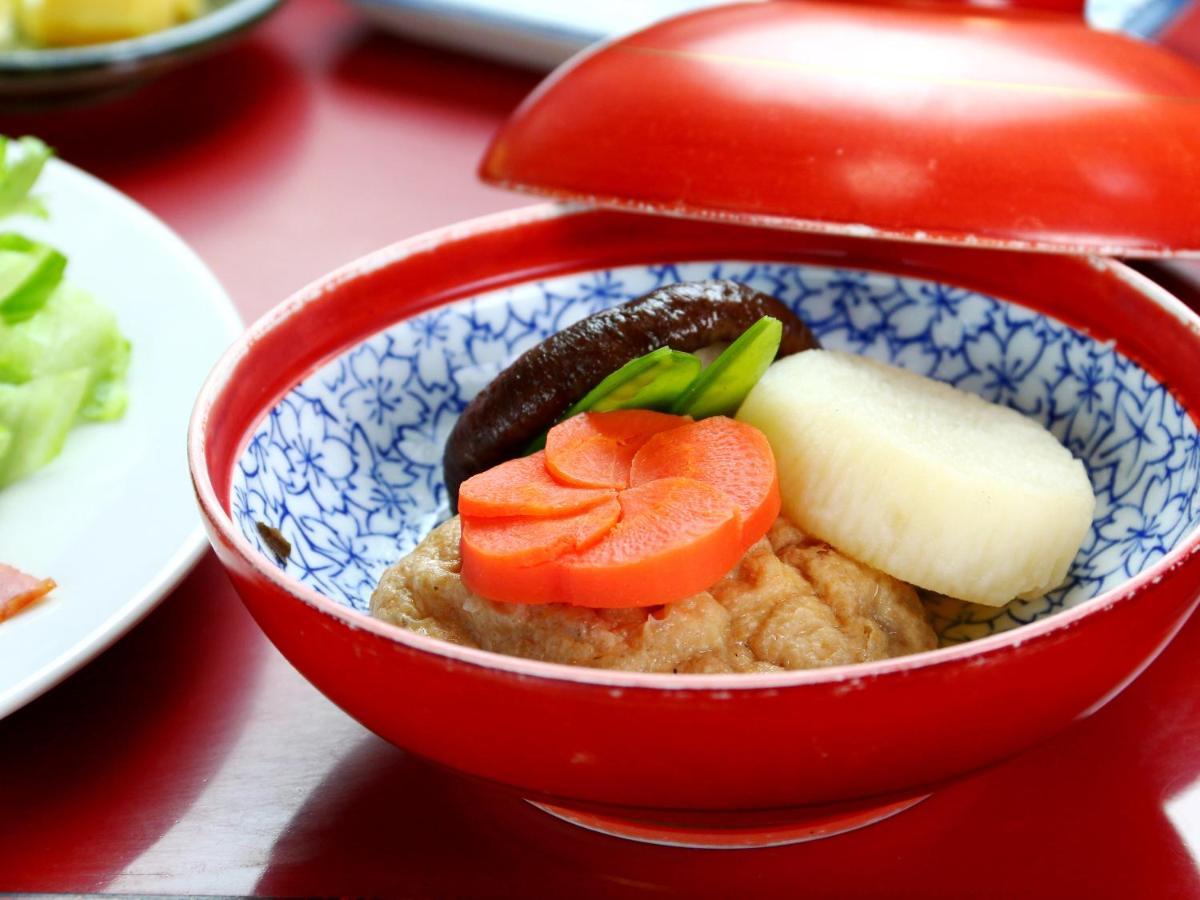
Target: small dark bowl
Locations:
point(72, 73)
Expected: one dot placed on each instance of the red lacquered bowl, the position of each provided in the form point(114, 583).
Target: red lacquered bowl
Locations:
point(729, 760)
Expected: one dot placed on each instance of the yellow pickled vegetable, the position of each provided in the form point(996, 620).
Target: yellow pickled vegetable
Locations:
point(8, 23)
point(56, 23)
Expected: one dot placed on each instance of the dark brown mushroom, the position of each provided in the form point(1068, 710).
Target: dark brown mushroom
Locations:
point(529, 396)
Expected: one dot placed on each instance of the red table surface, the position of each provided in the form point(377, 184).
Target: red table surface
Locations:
point(191, 758)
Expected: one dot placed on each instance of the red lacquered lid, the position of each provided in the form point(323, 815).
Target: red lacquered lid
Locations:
point(1020, 128)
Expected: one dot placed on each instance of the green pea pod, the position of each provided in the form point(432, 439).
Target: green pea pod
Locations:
point(720, 389)
point(652, 381)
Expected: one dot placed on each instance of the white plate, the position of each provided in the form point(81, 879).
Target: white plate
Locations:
point(540, 34)
point(112, 519)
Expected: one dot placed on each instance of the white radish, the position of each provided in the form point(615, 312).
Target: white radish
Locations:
point(934, 486)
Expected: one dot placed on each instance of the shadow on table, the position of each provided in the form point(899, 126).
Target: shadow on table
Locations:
point(125, 720)
point(385, 823)
point(236, 112)
point(384, 64)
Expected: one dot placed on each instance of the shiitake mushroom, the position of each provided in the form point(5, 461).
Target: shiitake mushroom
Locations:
point(529, 396)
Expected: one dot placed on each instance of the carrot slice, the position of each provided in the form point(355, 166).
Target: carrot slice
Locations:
point(528, 585)
point(528, 540)
point(676, 537)
point(18, 590)
point(731, 456)
point(523, 487)
point(595, 450)
point(622, 509)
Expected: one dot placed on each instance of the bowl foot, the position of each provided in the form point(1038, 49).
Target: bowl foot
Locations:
point(734, 830)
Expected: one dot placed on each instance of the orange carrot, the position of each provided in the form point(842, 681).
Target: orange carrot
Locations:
point(495, 545)
point(523, 487)
point(676, 537)
point(530, 585)
point(701, 493)
point(731, 456)
point(595, 450)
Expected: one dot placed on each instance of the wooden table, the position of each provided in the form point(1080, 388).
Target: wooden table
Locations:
point(191, 758)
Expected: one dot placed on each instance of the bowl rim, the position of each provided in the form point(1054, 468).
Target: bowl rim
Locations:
point(849, 676)
point(205, 28)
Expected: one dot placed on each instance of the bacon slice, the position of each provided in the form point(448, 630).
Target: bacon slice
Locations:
point(18, 590)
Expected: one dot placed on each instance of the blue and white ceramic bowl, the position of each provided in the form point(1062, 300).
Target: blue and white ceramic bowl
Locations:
point(348, 465)
point(31, 73)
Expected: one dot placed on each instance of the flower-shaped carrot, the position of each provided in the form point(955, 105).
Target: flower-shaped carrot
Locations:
point(731, 456)
point(596, 449)
point(627, 508)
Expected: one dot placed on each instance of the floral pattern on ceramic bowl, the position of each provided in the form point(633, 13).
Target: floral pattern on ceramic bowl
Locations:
point(348, 464)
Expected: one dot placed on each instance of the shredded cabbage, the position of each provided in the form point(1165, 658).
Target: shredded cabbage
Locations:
point(62, 358)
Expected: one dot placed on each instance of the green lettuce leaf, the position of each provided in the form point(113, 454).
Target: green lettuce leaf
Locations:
point(62, 358)
point(17, 177)
point(37, 415)
point(72, 331)
point(29, 272)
